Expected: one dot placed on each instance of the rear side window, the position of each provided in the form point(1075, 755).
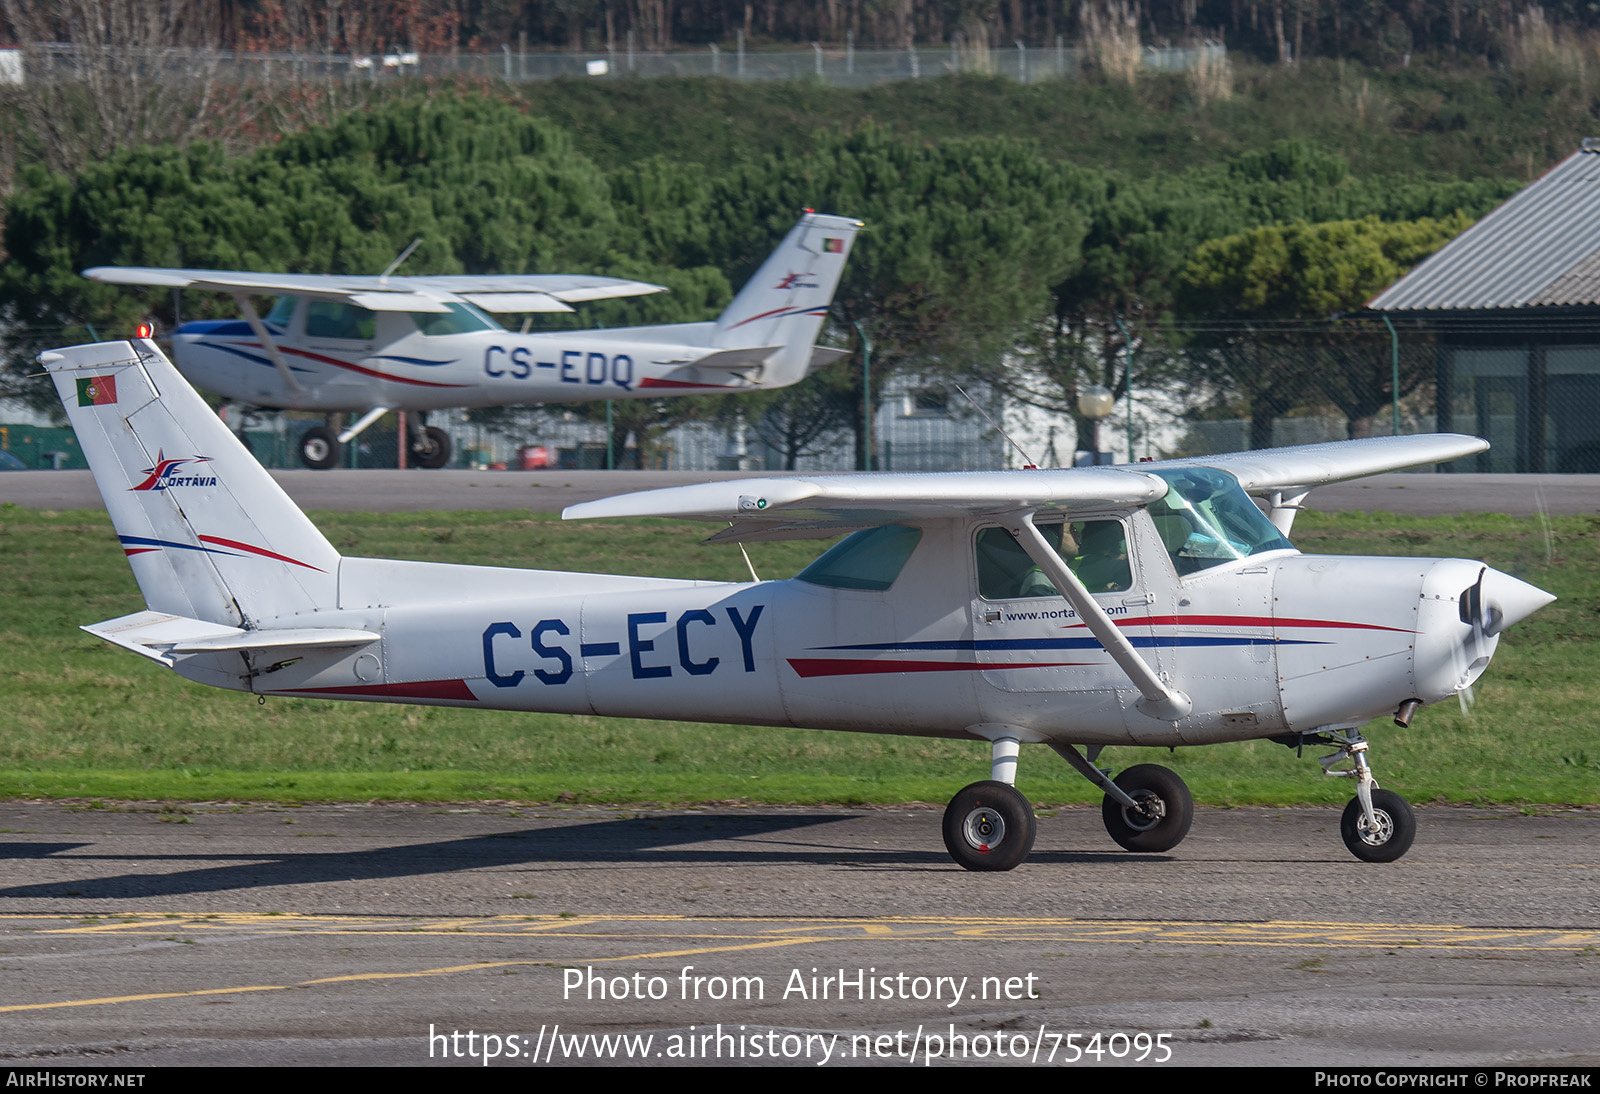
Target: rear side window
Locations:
point(869, 559)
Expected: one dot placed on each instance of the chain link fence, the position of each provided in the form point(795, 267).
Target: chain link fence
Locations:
point(841, 66)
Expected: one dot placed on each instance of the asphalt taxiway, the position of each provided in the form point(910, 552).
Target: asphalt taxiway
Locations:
point(142, 935)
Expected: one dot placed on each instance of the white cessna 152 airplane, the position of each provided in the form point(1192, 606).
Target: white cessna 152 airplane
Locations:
point(1151, 604)
point(369, 345)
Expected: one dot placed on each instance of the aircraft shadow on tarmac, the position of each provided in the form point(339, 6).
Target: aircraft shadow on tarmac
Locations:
point(643, 841)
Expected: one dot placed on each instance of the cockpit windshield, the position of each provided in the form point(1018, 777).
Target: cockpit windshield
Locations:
point(1206, 519)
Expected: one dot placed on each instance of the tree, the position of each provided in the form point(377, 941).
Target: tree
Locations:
point(133, 72)
point(1303, 273)
point(963, 239)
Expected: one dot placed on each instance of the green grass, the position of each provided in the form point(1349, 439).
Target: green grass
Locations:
point(87, 720)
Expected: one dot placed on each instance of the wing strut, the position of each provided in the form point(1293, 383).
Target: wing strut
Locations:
point(1160, 702)
point(260, 328)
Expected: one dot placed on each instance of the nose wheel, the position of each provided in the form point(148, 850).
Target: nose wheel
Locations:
point(1384, 837)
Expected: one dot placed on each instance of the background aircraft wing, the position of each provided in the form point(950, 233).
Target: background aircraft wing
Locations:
point(814, 506)
point(491, 292)
point(1297, 469)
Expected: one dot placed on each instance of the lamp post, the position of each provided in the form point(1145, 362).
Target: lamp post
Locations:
point(1094, 405)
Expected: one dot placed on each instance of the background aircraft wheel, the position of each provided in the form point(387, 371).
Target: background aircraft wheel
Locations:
point(319, 448)
point(1168, 809)
point(430, 447)
point(1391, 838)
point(989, 826)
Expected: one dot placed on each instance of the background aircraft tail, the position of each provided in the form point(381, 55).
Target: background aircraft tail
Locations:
point(209, 534)
point(785, 303)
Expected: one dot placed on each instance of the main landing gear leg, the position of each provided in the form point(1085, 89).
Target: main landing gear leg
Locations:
point(1378, 825)
point(989, 825)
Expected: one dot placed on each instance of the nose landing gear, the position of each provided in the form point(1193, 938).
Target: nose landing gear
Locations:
point(1378, 825)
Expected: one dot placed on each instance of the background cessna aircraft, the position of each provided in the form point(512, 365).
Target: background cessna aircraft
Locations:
point(368, 345)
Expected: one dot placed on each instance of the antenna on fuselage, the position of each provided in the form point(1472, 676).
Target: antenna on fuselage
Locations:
point(1027, 462)
point(395, 265)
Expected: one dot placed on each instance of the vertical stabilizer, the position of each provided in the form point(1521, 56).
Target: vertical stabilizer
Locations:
point(209, 534)
point(785, 303)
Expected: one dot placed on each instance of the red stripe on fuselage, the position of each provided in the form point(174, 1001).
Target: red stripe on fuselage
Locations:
point(1241, 621)
point(336, 363)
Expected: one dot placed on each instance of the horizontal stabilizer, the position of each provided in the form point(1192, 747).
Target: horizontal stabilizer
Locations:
point(822, 356)
point(152, 634)
point(161, 636)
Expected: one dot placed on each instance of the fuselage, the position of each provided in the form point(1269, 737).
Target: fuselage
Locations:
point(1264, 644)
point(356, 359)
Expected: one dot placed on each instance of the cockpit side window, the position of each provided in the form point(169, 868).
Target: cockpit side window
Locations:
point(869, 559)
point(1096, 551)
point(1206, 519)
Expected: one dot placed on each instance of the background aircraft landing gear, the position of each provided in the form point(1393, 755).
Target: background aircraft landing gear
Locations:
point(429, 447)
point(319, 448)
point(1386, 839)
point(1162, 812)
point(989, 826)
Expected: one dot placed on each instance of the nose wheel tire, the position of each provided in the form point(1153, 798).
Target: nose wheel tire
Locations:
point(430, 447)
point(1165, 809)
point(1387, 840)
point(989, 826)
point(319, 448)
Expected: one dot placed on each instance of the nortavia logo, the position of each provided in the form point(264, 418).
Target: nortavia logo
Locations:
point(163, 475)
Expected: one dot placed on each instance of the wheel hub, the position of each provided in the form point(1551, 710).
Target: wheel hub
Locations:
point(317, 449)
point(984, 828)
point(1151, 811)
point(1376, 835)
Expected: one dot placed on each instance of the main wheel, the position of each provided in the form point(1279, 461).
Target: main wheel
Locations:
point(989, 826)
point(1387, 840)
point(1165, 811)
point(430, 447)
point(319, 448)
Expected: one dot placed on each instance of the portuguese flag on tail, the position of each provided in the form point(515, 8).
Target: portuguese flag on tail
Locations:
point(97, 390)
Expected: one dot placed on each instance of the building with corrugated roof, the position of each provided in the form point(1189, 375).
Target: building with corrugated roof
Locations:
point(1514, 302)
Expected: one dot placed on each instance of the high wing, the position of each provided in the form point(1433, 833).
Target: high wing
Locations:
point(1296, 470)
point(491, 292)
point(815, 506)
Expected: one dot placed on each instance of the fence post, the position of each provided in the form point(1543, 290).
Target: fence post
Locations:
point(1022, 62)
point(816, 50)
point(1394, 363)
